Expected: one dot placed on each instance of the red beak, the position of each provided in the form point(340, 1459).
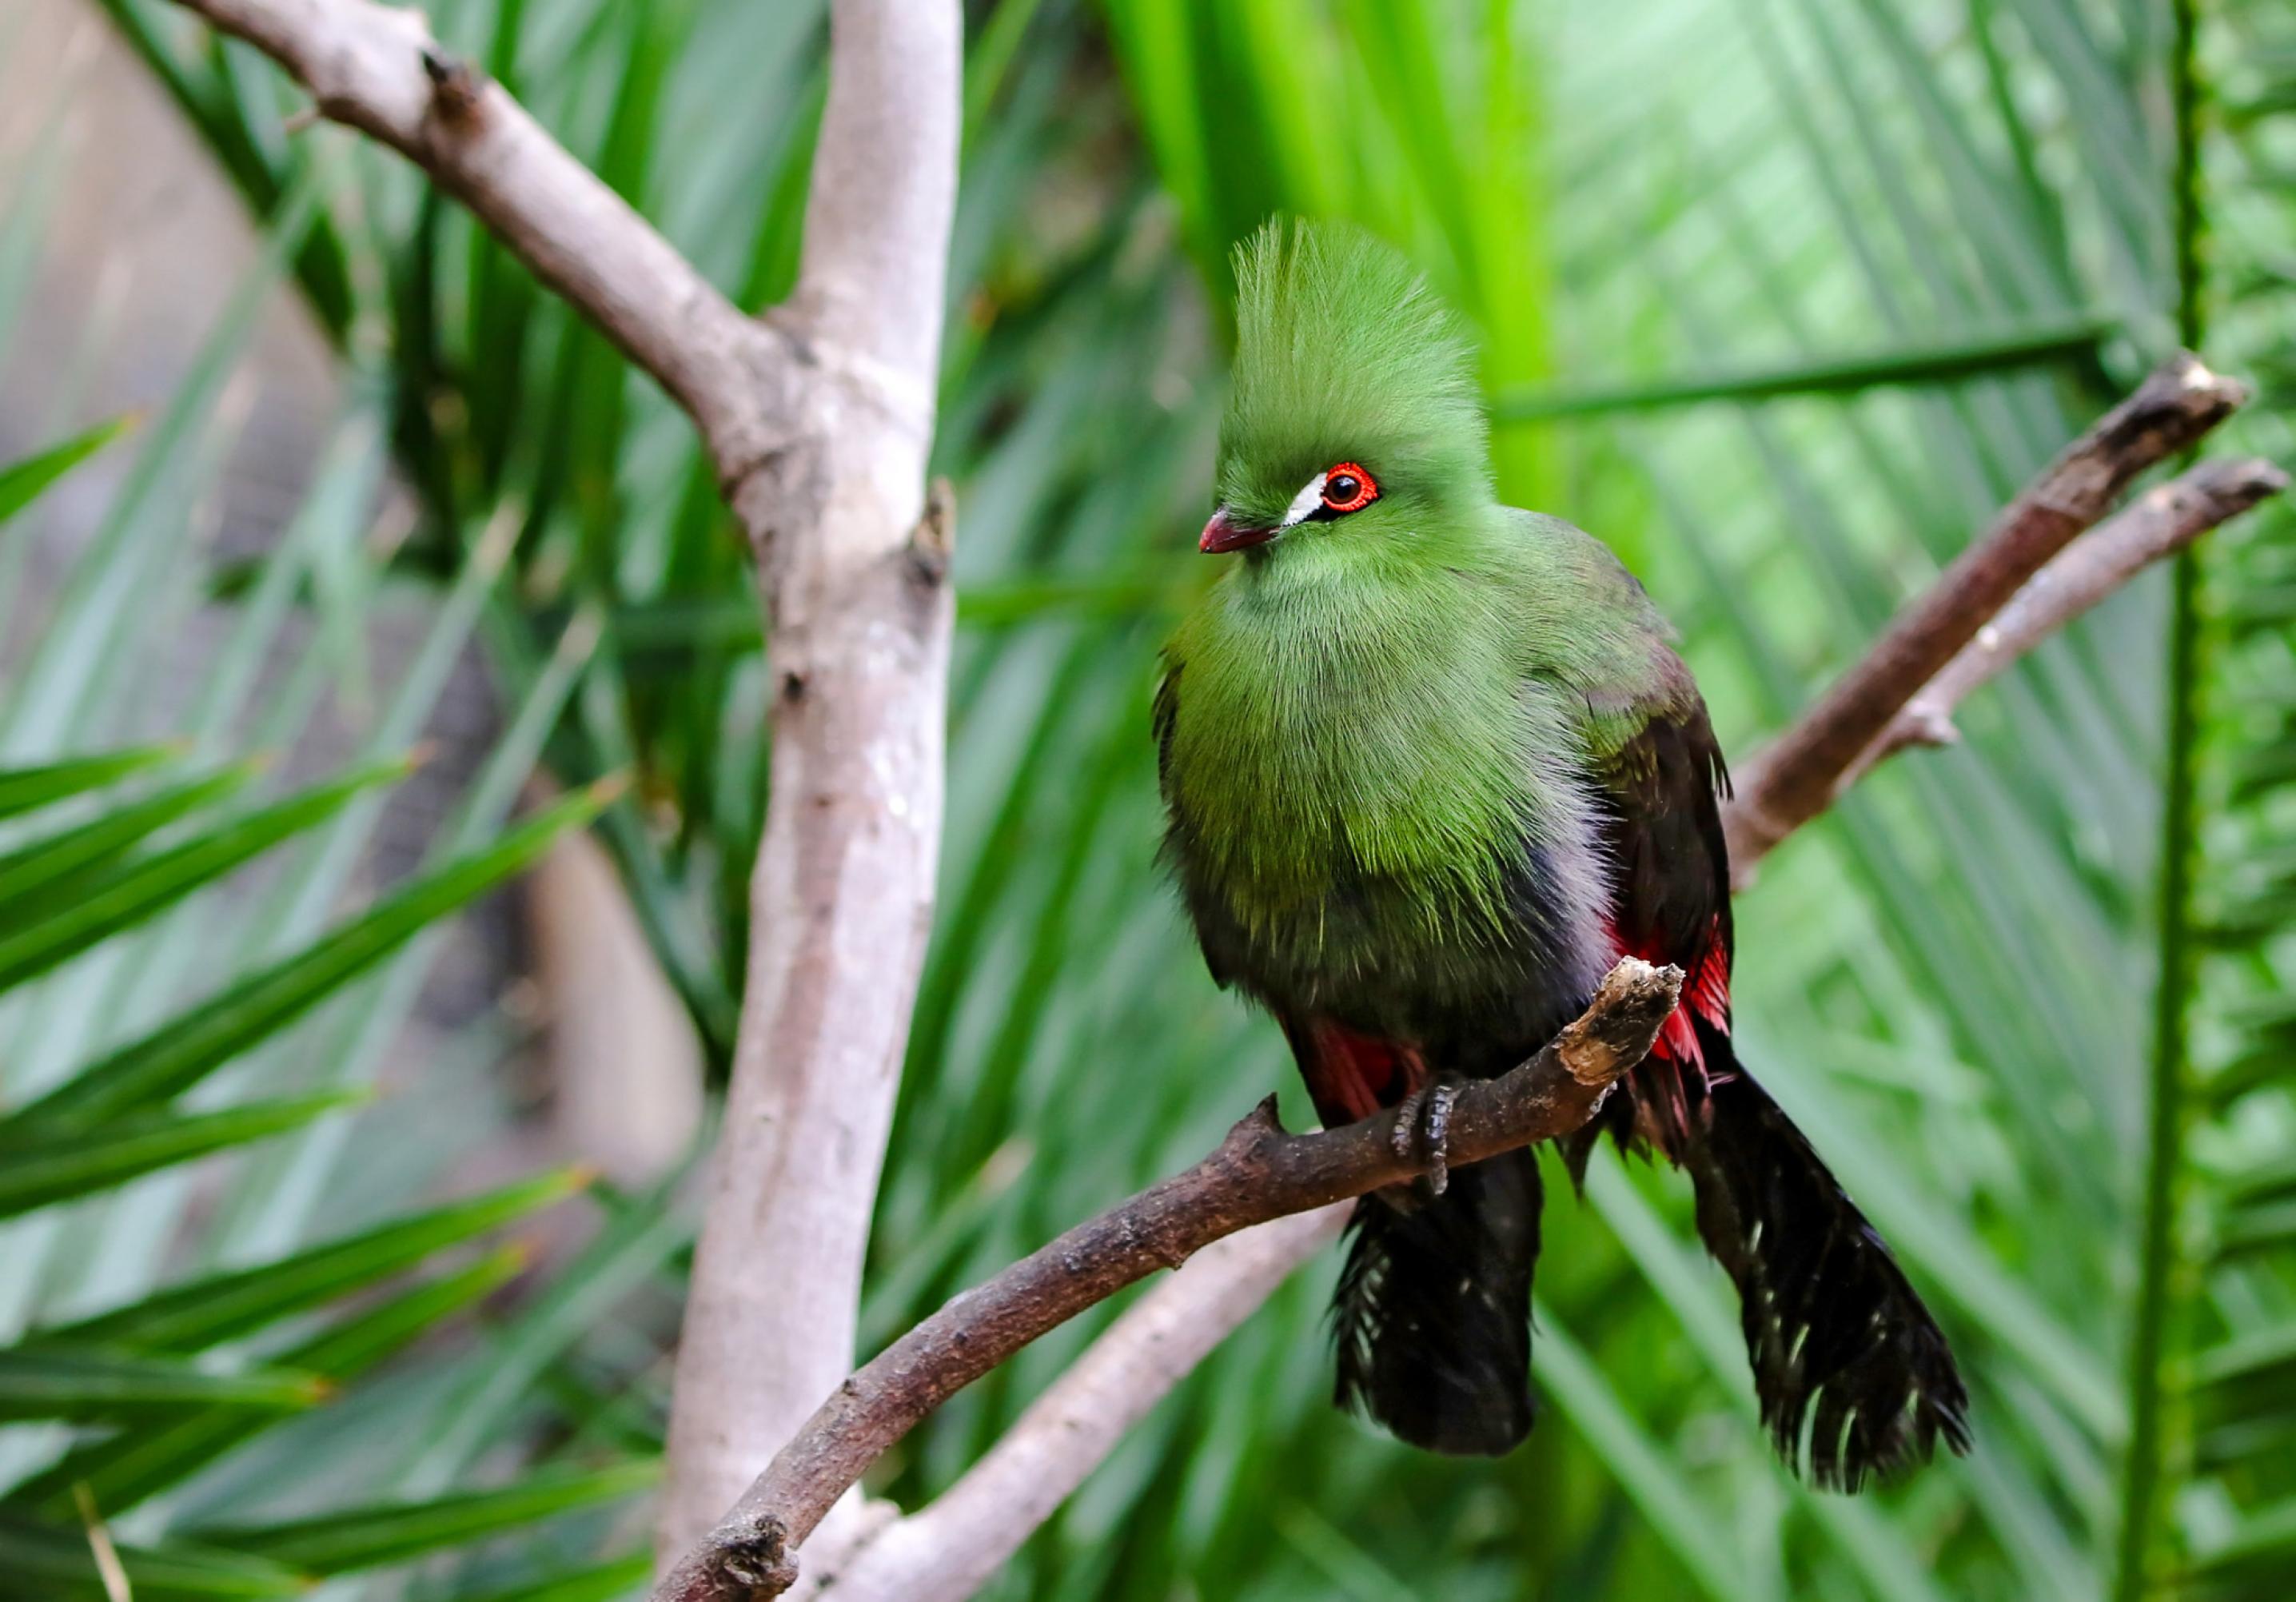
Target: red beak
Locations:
point(1221, 535)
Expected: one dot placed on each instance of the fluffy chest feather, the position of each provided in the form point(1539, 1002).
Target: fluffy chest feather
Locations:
point(1373, 805)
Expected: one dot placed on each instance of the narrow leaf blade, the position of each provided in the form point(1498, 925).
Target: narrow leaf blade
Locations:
point(174, 1057)
point(25, 482)
point(141, 887)
point(363, 1538)
point(37, 1172)
point(96, 1386)
point(27, 789)
point(225, 1307)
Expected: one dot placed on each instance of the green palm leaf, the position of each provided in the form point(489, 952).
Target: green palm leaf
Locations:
point(91, 1385)
point(225, 1307)
point(168, 1060)
point(59, 1564)
point(38, 1169)
point(362, 1537)
point(22, 483)
point(129, 1466)
point(28, 789)
point(133, 892)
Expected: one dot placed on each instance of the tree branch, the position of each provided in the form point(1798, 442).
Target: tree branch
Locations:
point(819, 420)
point(2154, 526)
point(1259, 1173)
point(376, 68)
point(950, 1548)
point(853, 559)
point(1794, 779)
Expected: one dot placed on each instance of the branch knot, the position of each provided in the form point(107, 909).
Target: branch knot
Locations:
point(457, 84)
point(758, 1561)
point(1615, 1032)
point(932, 543)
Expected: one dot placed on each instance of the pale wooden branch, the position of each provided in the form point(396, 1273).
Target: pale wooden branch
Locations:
point(1258, 1174)
point(854, 561)
point(818, 419)
point(1795, 779)
point(949, 1548)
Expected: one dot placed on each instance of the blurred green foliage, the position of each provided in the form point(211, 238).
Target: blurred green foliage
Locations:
point(118, 1396)
point(1782, 298)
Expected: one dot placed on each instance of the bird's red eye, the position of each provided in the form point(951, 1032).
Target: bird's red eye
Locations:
point(1347, 488)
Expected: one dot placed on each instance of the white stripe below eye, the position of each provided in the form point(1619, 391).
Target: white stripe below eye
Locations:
point(1305, 501)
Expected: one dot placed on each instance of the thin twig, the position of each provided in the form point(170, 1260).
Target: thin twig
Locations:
point(2153, 527)
point(1259, 1173)
point(1793, 780)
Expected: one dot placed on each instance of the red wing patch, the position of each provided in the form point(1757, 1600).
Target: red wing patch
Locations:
point(1709, 988)
point(1352, 1076)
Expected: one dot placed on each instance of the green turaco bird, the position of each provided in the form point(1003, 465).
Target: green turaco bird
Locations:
point(1432, 766)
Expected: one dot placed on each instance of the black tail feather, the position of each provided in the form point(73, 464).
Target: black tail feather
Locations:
point(1433, 1313)
point(1842, 1349)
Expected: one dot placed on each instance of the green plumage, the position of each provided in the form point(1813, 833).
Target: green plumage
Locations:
point(1431, 765)
point(1396, 701)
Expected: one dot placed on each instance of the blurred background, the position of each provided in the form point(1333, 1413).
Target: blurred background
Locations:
point(1782, 298)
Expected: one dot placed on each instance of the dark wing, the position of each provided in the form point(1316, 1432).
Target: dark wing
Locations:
point(1215, 934)
point(1661, 784)
point(1663, 791)
point(1853, 1375)
point(1165, 708)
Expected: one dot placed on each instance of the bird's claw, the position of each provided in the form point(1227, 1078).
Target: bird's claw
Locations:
point(1422, 1130)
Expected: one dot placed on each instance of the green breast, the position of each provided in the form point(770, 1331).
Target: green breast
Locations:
point(1349, 777)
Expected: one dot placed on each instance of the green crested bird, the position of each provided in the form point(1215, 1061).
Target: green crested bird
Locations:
point(1431, 766)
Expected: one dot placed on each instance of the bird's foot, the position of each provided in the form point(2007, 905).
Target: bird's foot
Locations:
point(1422, 1130)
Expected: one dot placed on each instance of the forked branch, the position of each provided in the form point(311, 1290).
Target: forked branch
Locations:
point(951, 1547)
point(1798, 776)
point(376, 68)
point(2157, 524)
point(818, 418)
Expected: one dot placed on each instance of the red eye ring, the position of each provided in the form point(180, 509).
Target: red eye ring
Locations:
point(1347, 488)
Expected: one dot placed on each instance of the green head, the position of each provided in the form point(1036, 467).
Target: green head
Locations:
point(1354, 430)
